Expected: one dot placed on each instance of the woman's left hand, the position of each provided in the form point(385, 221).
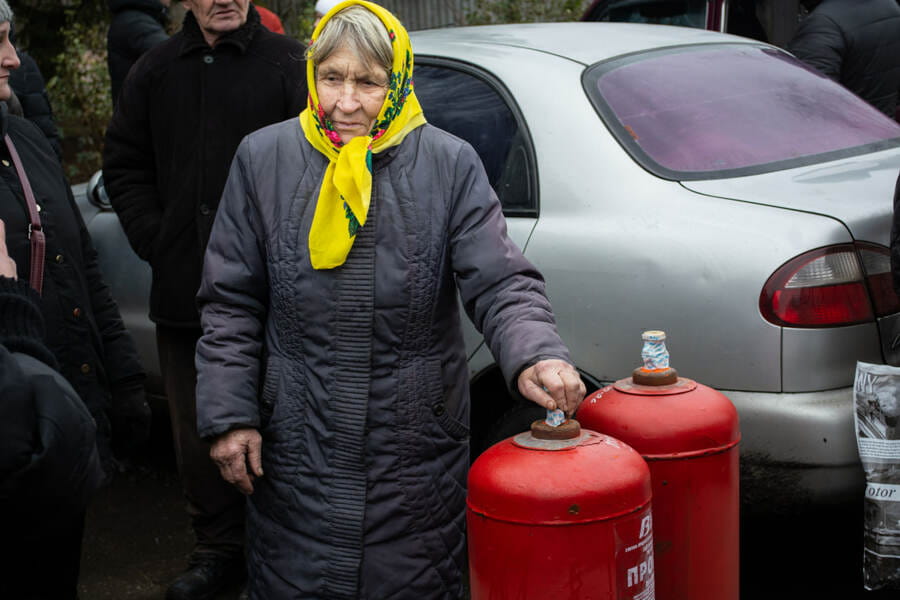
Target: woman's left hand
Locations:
point(553, 384)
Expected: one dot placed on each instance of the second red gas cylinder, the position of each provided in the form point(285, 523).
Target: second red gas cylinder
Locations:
point(688, 433)
point(560, 513)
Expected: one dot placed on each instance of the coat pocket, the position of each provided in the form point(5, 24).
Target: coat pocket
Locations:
point(448, 422)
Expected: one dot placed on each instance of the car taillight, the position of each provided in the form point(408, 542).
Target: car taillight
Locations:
point(877, 266)
point(830, 287)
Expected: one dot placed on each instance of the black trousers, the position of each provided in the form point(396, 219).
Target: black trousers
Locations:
point(215, 507)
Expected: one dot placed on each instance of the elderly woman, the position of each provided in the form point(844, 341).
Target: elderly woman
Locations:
point(332, 370)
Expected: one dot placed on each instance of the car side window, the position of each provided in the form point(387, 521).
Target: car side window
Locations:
point(471, 107)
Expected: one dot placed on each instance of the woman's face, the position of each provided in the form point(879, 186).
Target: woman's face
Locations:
point(9, 61)
point(351, 93)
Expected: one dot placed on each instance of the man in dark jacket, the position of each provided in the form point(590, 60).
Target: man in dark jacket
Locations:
point(135, 27)
point(181, 114)
point(856, 43)
point(49, 467)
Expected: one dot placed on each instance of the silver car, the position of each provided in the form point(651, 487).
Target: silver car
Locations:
point(678, 179)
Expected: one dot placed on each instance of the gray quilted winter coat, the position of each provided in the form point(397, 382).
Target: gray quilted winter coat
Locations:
point(357, 376)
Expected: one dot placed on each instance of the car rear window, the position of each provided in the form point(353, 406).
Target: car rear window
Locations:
point(727, 110)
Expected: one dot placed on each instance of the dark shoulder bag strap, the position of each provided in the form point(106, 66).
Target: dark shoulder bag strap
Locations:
point(35, 233)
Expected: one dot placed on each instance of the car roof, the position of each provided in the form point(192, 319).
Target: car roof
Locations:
point(583, 42)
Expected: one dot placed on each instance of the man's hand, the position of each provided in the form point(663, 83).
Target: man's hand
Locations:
point(235, 451)
point(553, 384)
point(7, 265)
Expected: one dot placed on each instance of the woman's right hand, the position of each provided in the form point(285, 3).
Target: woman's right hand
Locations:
point(235, 451)
point(7, 265)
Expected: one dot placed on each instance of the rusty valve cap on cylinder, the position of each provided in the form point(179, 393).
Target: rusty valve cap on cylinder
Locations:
point(568, 430)
point(642, 376)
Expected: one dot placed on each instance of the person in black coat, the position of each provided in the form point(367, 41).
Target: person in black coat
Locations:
point(856, 43)
point(135, 27)
point(180, 116)
point(49, 465)
point(85, 332)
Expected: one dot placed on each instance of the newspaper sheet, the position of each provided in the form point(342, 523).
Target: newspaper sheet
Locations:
point(876, 395)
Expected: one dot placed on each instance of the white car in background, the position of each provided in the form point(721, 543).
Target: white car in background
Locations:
point(679, 179)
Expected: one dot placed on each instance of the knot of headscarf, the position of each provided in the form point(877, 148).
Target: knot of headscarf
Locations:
point(346, 190)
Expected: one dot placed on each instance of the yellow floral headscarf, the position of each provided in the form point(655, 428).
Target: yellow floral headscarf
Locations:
point(346, 190)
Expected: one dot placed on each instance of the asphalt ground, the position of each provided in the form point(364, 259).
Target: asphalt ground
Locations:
point(137, 534)
point(138, 538)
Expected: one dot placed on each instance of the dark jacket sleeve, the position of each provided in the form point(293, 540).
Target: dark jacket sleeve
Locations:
point(129, 173)
point(233, 302)
point(21, 323)
point(48, 455)
point(502, 292)
point(28, 84)
point(820, 44)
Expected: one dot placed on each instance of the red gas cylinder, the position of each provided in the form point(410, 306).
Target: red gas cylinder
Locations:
point(688, 434)
point(560, 513)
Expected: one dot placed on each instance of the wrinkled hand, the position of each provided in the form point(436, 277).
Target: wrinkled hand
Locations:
point(553, 384)
point(131, 418)
point(7, 265)
point(235, 451)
